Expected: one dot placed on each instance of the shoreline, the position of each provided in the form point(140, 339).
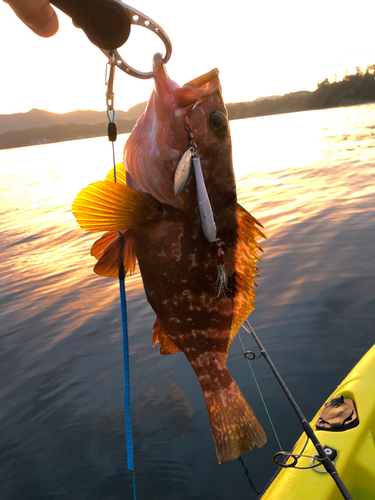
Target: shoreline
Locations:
point(55, 133)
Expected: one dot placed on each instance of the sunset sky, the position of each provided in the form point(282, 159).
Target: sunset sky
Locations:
point(261, 48)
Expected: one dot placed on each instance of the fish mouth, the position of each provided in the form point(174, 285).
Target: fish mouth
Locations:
point(174, 96)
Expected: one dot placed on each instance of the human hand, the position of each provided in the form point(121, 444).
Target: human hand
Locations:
point(38, 15)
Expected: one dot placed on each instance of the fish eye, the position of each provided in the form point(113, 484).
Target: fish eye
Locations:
point(219, 122)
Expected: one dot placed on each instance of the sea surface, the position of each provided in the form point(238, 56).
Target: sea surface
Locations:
point(309, 177)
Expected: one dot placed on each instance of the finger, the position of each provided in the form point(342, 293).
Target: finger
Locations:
point(38, 15)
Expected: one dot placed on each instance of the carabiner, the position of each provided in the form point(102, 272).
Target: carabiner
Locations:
point(110, 95)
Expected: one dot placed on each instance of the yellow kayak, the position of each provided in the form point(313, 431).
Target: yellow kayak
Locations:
point(351, 434)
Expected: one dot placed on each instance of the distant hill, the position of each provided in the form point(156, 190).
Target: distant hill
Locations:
point(267, 97)
point(60, 133)
point(38, 118)
point(42, 127)
point(288, 103)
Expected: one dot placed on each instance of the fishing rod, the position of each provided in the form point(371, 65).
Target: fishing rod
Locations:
point(325, 460)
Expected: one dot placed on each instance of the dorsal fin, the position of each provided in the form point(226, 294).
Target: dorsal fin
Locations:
point(109, 206)
point(245, 267)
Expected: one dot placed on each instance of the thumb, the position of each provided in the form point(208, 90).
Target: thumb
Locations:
point(38, 15)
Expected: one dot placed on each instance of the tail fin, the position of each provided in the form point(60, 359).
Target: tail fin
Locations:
point(235, 429)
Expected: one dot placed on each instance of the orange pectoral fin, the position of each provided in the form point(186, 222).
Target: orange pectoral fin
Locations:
point(110, 206)
point(118, 257)
point(120, 174)
point(167, 346)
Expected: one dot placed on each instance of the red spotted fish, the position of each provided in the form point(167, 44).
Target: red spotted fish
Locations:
point(174, 208)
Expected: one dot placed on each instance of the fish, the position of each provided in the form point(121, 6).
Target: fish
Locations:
point(174, 209)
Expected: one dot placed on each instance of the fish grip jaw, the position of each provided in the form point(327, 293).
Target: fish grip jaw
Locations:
point(339, 414)
point(106, 23)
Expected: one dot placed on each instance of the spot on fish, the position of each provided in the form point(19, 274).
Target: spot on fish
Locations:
point(174, 319)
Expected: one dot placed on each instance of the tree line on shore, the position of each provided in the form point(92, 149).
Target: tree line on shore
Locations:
point(358, 88)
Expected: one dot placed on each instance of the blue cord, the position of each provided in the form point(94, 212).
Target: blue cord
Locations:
point(124, 318)
point(111, 120)
point(129, 439)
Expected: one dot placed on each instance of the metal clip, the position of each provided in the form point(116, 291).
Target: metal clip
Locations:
point(110, 95)
point(139, 19)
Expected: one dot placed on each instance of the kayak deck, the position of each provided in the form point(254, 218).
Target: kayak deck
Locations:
point(356, 448)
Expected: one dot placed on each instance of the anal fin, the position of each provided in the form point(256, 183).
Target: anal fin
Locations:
point(167, 346)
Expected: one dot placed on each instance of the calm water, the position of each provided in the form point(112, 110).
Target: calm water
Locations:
point(309, 178)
